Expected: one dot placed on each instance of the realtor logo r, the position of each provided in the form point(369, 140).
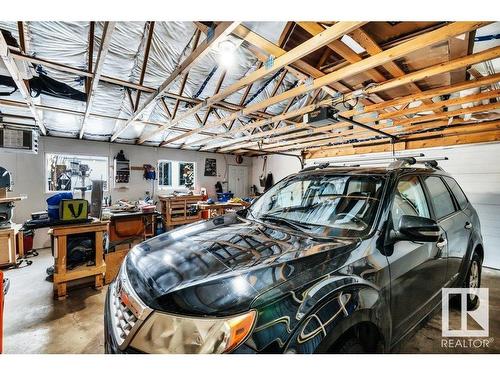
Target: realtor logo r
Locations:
point(479, 316)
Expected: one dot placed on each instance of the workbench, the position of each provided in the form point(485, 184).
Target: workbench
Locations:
point(61, 274)
point(130, 226)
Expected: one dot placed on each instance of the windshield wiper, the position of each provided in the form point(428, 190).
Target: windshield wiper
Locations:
point(292, 224)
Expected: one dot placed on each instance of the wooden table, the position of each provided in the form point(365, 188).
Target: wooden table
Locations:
point(221, 207)
point(61, 274)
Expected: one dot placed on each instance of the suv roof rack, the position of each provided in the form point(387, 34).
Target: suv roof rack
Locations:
point(394, 162)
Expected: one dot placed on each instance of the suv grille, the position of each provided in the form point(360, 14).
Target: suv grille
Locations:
point(123, 318)
point(126, 316)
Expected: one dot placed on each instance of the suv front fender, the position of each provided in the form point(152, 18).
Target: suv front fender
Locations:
point(337, 312)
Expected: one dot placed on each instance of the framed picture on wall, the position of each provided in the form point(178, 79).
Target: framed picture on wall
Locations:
point(210, 167)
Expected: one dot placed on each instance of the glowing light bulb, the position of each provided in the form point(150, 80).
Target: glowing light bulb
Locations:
point(227, 54)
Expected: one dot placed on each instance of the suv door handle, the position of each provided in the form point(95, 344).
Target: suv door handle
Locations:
point(468, 225)
point(442, 243)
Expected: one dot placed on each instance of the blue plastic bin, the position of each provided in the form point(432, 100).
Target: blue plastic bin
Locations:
point(53, 204)
point(224, 197)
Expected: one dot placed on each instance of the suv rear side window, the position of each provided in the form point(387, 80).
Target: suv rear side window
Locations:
point(440, 196)
point(457, 192)
point(409, 199)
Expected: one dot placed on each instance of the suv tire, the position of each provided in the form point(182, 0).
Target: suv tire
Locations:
point(351, 346)
point(473, 280)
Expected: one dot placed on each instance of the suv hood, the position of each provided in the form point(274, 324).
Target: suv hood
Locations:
point(218, 267)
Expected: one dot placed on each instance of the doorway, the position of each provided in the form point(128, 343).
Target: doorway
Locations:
point(238, 180)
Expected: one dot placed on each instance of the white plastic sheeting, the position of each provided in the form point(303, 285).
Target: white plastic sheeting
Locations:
point(67, 43)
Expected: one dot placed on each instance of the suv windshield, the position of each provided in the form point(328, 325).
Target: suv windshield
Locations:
point(323, 205)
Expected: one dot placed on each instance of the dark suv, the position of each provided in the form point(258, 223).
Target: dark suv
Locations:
point(331, 259)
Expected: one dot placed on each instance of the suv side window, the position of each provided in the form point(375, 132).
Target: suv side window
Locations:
point(409, 199)
point(457, 192)
point(440, 196)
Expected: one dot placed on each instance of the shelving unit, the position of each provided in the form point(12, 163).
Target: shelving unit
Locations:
point(176, 210)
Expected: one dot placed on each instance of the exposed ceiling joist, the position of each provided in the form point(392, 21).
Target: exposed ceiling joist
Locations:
point(391, 54)
point(342, 50)
point(220, 33)
point(411, 77)
point(14, 72)
point(295, 54)
point(147, 48)
point(447, 115)
point(396, 126)
point(453, 136)
point(107, 34)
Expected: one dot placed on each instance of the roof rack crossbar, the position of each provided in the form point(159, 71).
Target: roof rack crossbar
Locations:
point(395, 162)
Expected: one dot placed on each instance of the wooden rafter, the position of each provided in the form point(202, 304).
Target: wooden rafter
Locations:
point(220, 33)
point(295, 54)
point(90, 57)
point(223, 105)
point(22, 36)
point(433, 70)
point(372, 48)
point(185, 76)
point(458, 135)
point(107, 33)
point(342, 50)
point(18, 79)
point(271, 141)
point(216, 91)
point(147, 48)
point(391, 54)
point(40, 107)
point(343, 137)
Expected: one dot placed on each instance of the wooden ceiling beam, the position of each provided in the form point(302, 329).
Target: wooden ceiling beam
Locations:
point(107, 33)
point(40, 107)
point(220, 33)
point(446, 115)
point(400, 50)
point(14, 72)
point(147, 48)
point(372, 48)
point(226, 106)
point(291, 56)
point(342, 50)
point(476, 133)
point(397, 128)
point(90, 57)
point(484, 82)
point(427, 72)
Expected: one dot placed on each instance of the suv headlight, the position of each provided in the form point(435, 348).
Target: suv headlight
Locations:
point(164, 333)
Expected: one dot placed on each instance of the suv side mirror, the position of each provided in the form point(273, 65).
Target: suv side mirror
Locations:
point(416, 228)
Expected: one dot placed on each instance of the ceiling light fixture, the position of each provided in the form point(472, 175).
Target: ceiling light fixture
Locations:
point(227, 54)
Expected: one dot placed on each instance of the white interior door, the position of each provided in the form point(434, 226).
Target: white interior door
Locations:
point(238, 180)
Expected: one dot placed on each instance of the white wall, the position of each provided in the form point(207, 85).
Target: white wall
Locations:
point(477, 169)
point(30, 179)
point(279, 165)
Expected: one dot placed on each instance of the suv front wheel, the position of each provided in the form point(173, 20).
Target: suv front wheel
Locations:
point(473, 280)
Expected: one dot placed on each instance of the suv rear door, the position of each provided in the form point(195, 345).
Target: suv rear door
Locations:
point(418, 269)
point(451, 218)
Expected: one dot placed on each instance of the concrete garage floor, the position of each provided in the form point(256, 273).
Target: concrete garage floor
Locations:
point(36, 323)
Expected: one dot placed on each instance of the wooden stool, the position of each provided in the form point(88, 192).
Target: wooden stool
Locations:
point(61, 274)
